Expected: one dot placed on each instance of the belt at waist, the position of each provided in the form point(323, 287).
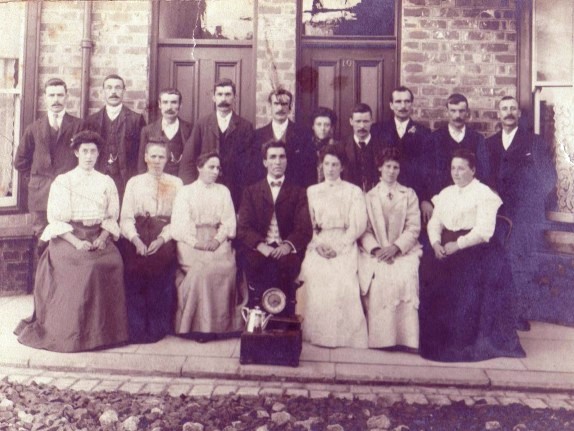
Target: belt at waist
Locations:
point(451, 236)
point(86, 233)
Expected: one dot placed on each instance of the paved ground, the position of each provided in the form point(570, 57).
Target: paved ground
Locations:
point(171, 362)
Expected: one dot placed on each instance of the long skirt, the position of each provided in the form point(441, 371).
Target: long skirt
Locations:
point(391, 299)
point(330, 301)
point(206, 291)
point(79, 301)
point(150, 284)
point(466, 310)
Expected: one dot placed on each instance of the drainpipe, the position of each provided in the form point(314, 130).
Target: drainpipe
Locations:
point(87, 45)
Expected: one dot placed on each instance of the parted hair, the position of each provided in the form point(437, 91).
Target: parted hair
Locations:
point(225, 82)
point(203, 158)
point(86, 137)
point(466, 154)
point(272, 144)
point(114, 76)
point(55, 82)
point(337, 151)
point(388, 154)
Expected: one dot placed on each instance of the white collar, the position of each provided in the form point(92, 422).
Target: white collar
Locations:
point(468, 187)
point(507, 138)
point(457, 135)
point(166, 126)
point(113, 111)
point(366, 140)
point(279, 128)
point(400, 124)
point(271, 179)
point(330, 183)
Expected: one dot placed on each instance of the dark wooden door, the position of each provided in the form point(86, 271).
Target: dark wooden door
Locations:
point(340, 77)
point(194, 71)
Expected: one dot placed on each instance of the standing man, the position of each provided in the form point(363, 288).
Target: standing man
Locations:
point(453, 136)
point(412, 139)
point(228, 134)
point(169, 129)
point(301, 154)
point(120, 129)
point(44, 152)
point(274, 229)
point(361, 149)
point(522, 172)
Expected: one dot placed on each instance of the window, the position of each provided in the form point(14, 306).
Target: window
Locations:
point(11, 71)
point(332, 18)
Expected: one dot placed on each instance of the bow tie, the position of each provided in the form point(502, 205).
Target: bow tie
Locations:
point(276, 183)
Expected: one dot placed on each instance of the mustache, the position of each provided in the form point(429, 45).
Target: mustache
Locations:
point(224, 105)
point(170, 111)
point(458, 120)
point(510, 117)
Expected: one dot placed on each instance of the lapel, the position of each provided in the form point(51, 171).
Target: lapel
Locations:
point(265, 192)
point(232, 123)
point(122, 116)
point(350, 150)
point(516, 147)
point(213, 126)
point(283, 194)
point(44, 128)
point(66, 125)
point(156, 129)
point(289, 133)
point(386, 235)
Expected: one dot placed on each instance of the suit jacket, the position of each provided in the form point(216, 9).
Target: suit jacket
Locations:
point(154, 131)
point(416, 152)
point(443, 147)
point(523, 175)
point(301, 155)
point(352, 172)
point(291, 210)
point(130, 124)
point(33, 156)
point(237, 153)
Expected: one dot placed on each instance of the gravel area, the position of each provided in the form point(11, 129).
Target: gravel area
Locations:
point(43, 407)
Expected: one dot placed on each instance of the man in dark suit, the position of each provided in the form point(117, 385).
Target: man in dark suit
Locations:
point(447, 139)
point(522, 172)
point(45, 152)
point(227, 133)
point(120, 128)
point(169, 129)
point(412, 139)
point(361, 149)
point(274, 229)
point(302, 157)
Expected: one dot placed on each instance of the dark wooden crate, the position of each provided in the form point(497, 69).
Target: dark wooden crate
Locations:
point(271, 347)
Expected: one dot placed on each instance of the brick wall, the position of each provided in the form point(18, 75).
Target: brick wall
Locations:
point(464, 46)
point(120, 33)
point(16, 263)
point(276, 52)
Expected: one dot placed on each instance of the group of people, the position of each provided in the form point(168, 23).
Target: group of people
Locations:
point(395, 238)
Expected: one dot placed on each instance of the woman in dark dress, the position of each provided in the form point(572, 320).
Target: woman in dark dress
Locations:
point(466, 304)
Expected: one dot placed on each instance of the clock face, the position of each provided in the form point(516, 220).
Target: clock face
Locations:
point(274, 300)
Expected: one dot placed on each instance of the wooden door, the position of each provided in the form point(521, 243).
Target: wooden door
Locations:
point(194, 71)
point(339, 78)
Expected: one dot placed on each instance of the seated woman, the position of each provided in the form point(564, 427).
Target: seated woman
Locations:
point(389, 259)
point(330, 298)
point(466, 305)
point(203, 224)
point(79, 289)
point(147, 248)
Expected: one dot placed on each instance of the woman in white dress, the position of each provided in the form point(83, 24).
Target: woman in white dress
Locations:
point(330, 298)
point(79, 300)
point(203, 224)
point(389, 259)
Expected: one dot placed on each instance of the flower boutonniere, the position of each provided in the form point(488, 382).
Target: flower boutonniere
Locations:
point(412, 130)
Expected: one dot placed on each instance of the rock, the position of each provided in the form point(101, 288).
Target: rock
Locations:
point(131, 423)
point(156, 411)
point(6, 404)
point(262, 414)
point(262, 428)
point(381, 422)
point(519, 427)
point(192, 426)
point(401, 428)
point(335, 427)
point(109, 417)
point(25, 417)
point(278, 407)
point(280, 418)
point(308, 424)
point(492, 425)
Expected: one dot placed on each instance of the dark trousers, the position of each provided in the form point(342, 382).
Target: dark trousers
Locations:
point(266, 272)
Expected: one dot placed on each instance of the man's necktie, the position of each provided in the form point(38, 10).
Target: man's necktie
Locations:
point(55, 125)
point(276, 183)
point(363, 145)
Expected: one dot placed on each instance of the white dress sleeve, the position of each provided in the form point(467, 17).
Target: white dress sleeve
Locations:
point(59, 211)
point(357, 216)
point(487, 204)
point(166, 231)
point(228, 224)
point(183, 228)
point(110, 220)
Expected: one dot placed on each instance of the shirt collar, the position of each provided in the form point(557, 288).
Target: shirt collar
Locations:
point(330, 183)
point(507, 138)
point(279, 129)
point(366, 140)
point(271, 179)
point(457, 134)
point(165, 125)
point(113, 111)
point(401, 124)
point(468, 187)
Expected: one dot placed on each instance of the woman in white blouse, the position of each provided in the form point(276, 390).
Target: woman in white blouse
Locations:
point(330, 298)
point(466, 305)
point(389, 259)
point(147, 248)
point(79, 301)
point(203, 224)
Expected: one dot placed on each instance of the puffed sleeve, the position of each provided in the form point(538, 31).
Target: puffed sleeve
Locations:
point(166, 231)
point(59, 209)
point(128, 217)
point(412, 229)
point(110, 221)
point(435, 225)
point(357, 216)
point(487, 206)
point(183, 228)
point(228, 223)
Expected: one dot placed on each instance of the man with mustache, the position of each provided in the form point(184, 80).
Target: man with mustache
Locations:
point(522, 172)
point(120, 128)
point(44, 152)
point(361, 148)
point(455, 135)
point(228, 134)
point(302, 168)
point(412, 139)
point(169, 129)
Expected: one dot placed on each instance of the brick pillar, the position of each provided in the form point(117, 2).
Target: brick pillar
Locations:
point(276, 52)
point(462, 46)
